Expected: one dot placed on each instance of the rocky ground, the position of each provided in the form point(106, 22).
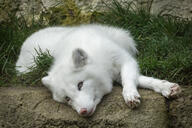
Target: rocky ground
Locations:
point(34, 107)
point(30, 107)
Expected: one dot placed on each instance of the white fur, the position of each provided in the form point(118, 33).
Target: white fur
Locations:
point(109, 55)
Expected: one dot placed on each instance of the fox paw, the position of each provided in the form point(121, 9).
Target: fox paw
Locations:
point(172, 91)
point(132, 98)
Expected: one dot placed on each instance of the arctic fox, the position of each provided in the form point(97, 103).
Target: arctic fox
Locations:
point(87, 59)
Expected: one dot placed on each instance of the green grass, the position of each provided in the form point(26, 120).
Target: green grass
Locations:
point(43, 62)
point(12, 35)
point(164, 45)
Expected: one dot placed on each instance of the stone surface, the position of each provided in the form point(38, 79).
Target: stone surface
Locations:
point(28, 10)
point(181, 109)
point(73, 11)
point(22, 107)
point(177, 8)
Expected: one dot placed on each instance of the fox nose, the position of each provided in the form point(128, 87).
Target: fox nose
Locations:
point(83, 111)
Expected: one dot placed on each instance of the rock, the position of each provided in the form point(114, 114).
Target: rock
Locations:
point(33, 107)
point(7, 7)
point(70, 12)
point(182, 9)
point(28, 10)
point(181, 109)
point(48, 11)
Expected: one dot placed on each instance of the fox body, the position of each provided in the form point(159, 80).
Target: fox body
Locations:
point(87, 59)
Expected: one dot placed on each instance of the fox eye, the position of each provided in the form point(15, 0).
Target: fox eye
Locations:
point(80, 85)
point(67, 98)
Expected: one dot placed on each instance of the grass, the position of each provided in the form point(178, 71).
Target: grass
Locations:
point(12, 35)
point(164, 45)
point(42, 63)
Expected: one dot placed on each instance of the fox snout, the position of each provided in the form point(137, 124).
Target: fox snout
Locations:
point(86, 112)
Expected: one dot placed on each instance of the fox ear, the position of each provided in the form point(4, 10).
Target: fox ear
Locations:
point(46, 81)
point(79, 57)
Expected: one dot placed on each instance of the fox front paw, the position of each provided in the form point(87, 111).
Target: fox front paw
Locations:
point(132, 98)
point(172, 91)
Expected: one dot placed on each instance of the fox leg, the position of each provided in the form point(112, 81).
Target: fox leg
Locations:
point(129, 76)
point(164, 87)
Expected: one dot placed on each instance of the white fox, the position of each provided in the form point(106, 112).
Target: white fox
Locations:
point(87, 59)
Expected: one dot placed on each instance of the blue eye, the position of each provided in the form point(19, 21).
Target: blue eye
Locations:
point(80, 85)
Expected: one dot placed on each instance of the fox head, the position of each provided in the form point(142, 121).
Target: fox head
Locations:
point(79, 82)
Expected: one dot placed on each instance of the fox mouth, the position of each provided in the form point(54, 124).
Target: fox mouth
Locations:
point(91, 112)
